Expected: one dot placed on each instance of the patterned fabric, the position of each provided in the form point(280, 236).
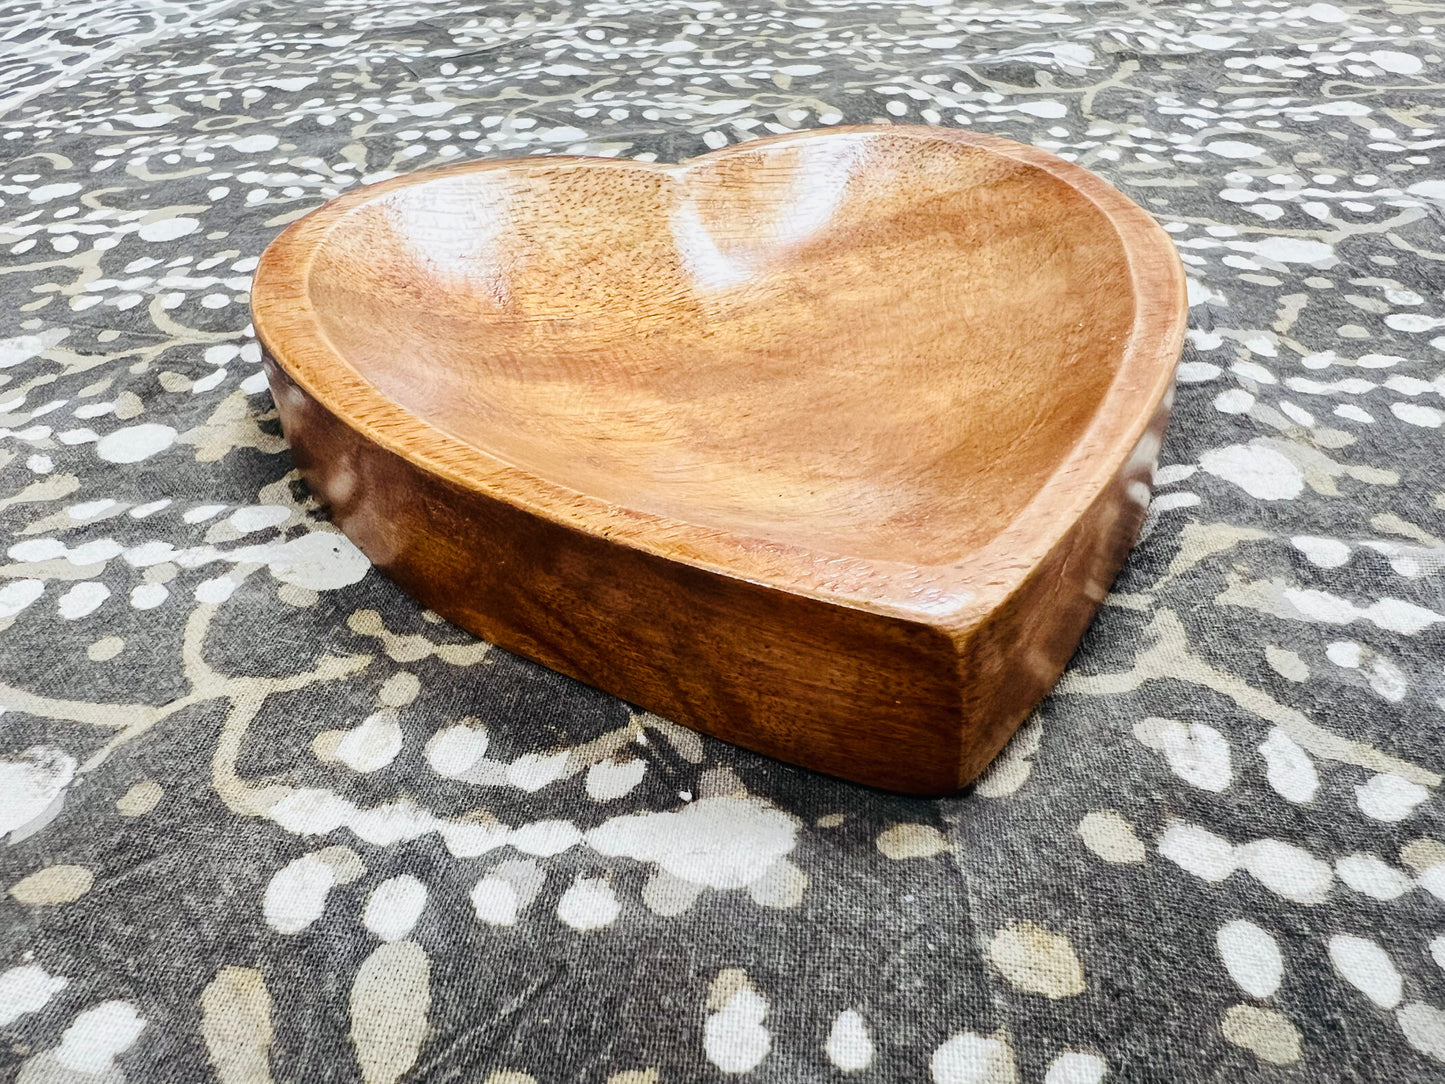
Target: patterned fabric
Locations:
point(265, 819)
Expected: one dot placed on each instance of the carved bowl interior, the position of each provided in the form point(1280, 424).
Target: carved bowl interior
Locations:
point(829, 444)
point(859, 345)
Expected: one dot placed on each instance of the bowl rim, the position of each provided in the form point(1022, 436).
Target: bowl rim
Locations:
point(1120, 432)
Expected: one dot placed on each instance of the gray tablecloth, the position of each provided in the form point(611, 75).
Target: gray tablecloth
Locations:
point(266, 819)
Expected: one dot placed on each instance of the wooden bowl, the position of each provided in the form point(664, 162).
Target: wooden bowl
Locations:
point(829, 445)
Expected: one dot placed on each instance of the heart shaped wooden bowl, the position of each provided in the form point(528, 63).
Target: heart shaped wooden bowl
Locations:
point(829, 445)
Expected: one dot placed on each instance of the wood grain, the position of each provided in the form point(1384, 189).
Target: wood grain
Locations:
point(829, 444)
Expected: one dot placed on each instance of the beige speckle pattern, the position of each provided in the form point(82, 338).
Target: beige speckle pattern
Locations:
point(105, 649)
point(390, 999)
point(1111, 837)
point(343, 861)
point(911, 841)
point(236, 1025)
point(1265, 1033)
point(140, 799)
point(53, 885)
point(1037, 960)
point(1422, 853)
point(400, 689)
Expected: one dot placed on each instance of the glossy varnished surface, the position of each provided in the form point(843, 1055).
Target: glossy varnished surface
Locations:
point(811, 345)
point(828, 444)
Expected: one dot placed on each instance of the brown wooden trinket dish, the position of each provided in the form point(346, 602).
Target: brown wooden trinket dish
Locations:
point(829, 445)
